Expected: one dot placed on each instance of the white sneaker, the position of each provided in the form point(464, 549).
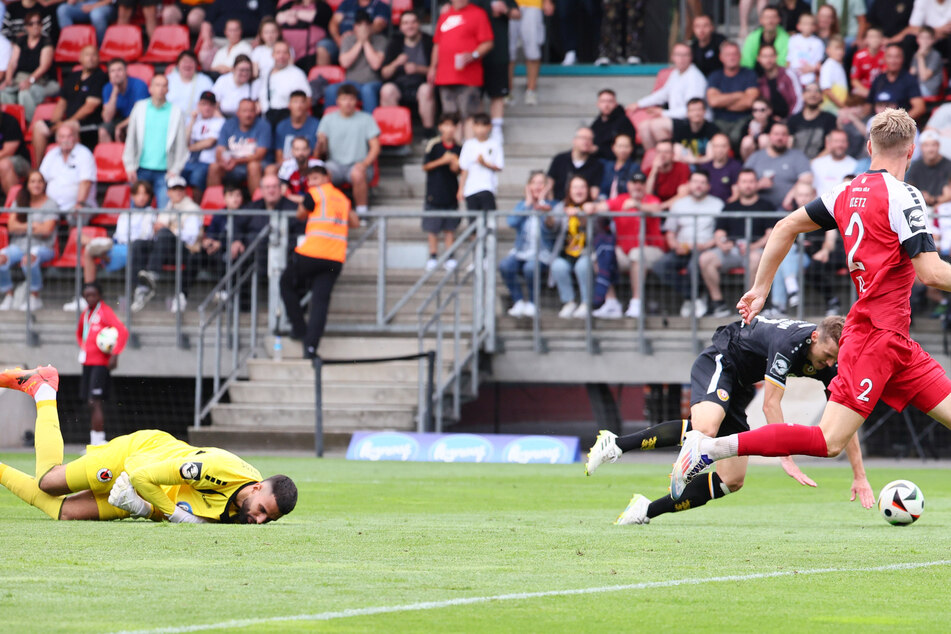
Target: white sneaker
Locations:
point(636, 511)
point(686, 308)
point(528, 309)
point(531, 98)
point(571, 58)
point(7, 303)
point(580, 312)
point(450, 265)
point(517, 309)
point(603, 450)
point(510, 99)
point(723, 311)
point(431, 264)
point(610, 309)
point(75, 304)
point(689, 463)
point(567, 310)
point(633, 59)
point(602, 61)
point(141, 297)
point(179, 303)
point(32, 303)
point(699, 307)
point(633, 308)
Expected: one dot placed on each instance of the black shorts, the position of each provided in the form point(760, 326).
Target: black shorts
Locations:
point(495, 81)
point(142, 3)
point(409, 86)
point(713, 378)
point(94, 384)
point(438, 224)
point(481, 201)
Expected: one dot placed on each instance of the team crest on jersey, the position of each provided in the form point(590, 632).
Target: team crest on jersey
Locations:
point(780, 366)
point(104, 475)
point(917, 221)
point(185, 506)
point(808, 370)
point(190, 471)
point(723, 395)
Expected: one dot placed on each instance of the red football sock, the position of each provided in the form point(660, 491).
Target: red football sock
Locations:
point(783, 440)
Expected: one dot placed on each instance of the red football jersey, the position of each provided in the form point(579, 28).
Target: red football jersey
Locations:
point(883, 223)
point(866, 67)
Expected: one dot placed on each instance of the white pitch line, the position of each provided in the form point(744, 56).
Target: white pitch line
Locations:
point(518, 596)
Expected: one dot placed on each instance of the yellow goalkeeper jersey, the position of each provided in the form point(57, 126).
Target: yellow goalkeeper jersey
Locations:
point(167, 472)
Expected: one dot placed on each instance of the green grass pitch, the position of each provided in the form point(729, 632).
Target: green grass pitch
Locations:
point(368, 535)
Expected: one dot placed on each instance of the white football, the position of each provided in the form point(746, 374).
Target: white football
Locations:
point(901, 502)
point(106, 339)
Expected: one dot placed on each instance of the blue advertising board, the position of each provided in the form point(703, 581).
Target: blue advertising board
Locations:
point(413, 447)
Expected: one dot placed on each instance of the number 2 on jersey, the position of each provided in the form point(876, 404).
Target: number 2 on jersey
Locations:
point(855, 223)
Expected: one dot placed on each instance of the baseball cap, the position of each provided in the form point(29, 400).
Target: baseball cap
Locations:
point(176, 181)
point(929, 135)
point(208, 96)
point(638, 177)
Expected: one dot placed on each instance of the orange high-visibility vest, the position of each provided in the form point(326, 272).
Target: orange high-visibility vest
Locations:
point(325, 236)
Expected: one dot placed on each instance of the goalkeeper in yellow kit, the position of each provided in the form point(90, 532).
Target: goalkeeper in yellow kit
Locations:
point(145, 474)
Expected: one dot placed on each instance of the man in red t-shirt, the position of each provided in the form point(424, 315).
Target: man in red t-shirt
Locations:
point(665, 175)
point(463, 37)
point(94, 386)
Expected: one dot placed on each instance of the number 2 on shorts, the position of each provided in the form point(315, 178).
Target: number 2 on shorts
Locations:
point(867, 384)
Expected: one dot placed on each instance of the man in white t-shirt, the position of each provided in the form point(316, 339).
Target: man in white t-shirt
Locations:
point(70, 170)
point(684, 83)
point(186, 84)
point(282, 80)
point(203, 131)
point(224, 58)
point(829, 169)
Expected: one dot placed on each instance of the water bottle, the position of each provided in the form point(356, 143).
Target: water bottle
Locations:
point(278, 352)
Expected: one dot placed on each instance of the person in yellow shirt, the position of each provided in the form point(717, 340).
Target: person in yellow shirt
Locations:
point(148, 473)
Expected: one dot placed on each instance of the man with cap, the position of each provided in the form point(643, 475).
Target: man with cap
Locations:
point(203, 130)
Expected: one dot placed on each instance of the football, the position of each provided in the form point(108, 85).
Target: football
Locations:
point(901, 502)
point(106, 339)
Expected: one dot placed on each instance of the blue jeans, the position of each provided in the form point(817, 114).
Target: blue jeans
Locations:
point(668, 270)
point(157, 179)
point(369, 94)
point(69, 14)
point(14, 255)
point(331, 47)
point(511, 268)
point(195, 174)
point(788, 269)
point(561, 270)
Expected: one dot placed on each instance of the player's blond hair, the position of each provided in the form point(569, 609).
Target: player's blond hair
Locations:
point(893, 130)
point(831, 327)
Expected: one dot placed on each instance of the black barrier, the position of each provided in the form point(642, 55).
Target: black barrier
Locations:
point(319, 363)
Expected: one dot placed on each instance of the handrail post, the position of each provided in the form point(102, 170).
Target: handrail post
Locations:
point(318, 407)
point(199, 375)
point(587, 254)
point(179, 314)
point(693, 268)
point(381, 272)
point(32, 340)
point(642, 344)
point(537, 284)
point(430, 390)
point(491, 266)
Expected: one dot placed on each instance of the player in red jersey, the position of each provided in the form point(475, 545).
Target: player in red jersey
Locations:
point(887, 237)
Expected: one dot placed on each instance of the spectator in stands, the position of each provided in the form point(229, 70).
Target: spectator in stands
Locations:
point(80, 101)
point(14, 153)
point(463, 37)
point(186, 85)
point(220, 12)
point(70, 170)
point(691, 136)
point(247, 228)
point(304, 23)
point(342, 23)
point(705, 45)
point(769, 33)
point(570, 20)
point(361, 54)
point(293, 169)
point(827, 23)
point(892, 19)
point(262, 56)
point(757, 131)
point(791, 12)
point(931, 173)
point(208, 253)
point(730, 92)
point(868, 63)
point(835, 164)
point(896, 85)
point(579, 160)
point(29, 80)
point(191, 13)
point(622, 33)
point(283, 80)
point(405, 66)
point(118, 96)
point(204, 128)
point(744, 8)
point(156, 146)
point(99, 13)
point(684, 84)
point(29, 252)
point(779, 88)
point(480, 161)
point(233, 88)
point(17, 14)
point(225, 56)
point(688, 235)
point(441, 164)
point(495, 63)
point(940, 123)
point(806, 51)
point(665, 175)
point(610, 122)
point(569, 219)
point(617, 172)
point(6, 50)
point(243, 144)
point(933, 13)
point(149, 13)
point(927, 64)
point(532, 250)
point(824, 256)
point(784, 294)
point(528, 31)
point(732, 246)
point(832, 78)
point(299, 123)
point(778, 166)
point(722, 168)
point(851, 18)
point(349, 142)
point(810, 127)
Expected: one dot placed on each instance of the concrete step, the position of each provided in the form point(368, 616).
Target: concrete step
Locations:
point(245, 440)
point(252, 392)
point(357, 346)
point(364, 373)
point(336, 418)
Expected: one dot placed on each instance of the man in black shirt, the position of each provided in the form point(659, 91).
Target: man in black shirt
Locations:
point(14, 155)
point(80, 101)
point(580, 160)
point(693, 133)
point(732, 244)
point(722, 384)
point(405, 64)
point(705, 45)
point(610, 122)
point(441, 164)
point(810, 127)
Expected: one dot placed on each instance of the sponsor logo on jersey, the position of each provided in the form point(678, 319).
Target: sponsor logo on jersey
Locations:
point(780, 366)
point(190, 471)
point(917, 221)
point(723, 395)
point(104, 475)
point(185, 506)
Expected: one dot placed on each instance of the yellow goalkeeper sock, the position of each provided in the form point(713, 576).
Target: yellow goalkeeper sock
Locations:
point(25, 488)
point(47, 438)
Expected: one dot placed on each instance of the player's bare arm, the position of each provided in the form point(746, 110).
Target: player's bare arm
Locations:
point(932, 270)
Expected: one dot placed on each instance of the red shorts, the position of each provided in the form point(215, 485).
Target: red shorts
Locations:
point(881, 364)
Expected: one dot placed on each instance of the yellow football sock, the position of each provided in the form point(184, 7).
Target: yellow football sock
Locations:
point(47, 438)
point(108, 511)
point(25, 488)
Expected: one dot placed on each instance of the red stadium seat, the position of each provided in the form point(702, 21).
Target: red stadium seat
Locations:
point(18, 113)
point(71, 253)
point(12, 195)
point(398, 8)
point(109, 167)
point(334, 4)
point(662, 78)
point(167, 42)
point(257, 195)
point(213, 198)
point(43, 112)
point(145, 72)
point(73, 39)
point(396, 125)
point(333, 74)
point(330, 109)
point(121, 41)
point(117, 197)
point(4, 238)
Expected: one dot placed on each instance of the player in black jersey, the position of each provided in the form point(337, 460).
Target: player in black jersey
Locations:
point(722, 384)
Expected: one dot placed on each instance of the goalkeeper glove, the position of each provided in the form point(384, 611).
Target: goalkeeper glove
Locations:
point(123, 496)
point(181, 516)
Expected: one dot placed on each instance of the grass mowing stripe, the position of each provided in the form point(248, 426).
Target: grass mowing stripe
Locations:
point(433, 605)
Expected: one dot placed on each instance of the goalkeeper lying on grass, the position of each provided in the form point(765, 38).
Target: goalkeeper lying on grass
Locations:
point(145, 474)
